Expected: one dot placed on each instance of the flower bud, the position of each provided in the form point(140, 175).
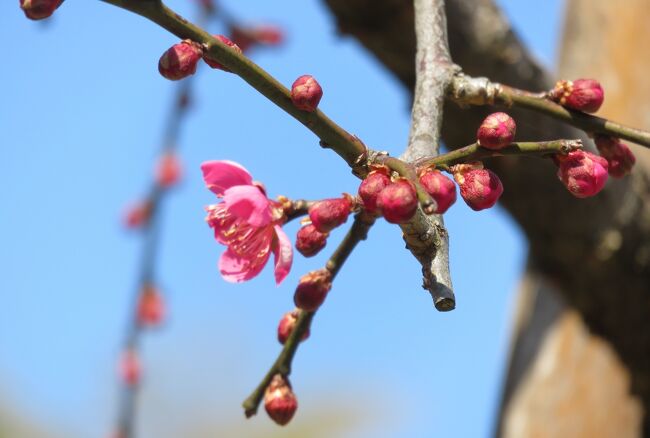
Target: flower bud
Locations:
point(39, 9)
point(306, 93)
point(138, 215)
point(583, 173)
point(247, 37)
point(312, 289)
point(180, 60)
point(497, 131)
point(151, 307)
point(480, 188)
point(620, 158)
point(441, 189)
point(286, 326)
point(328, 214)
point(168, 171)
point(371, 186)
point(129, 368)
point(582, 94)
point(310, 241)
point(398, 201)
point(279, 400)
point(226, 41)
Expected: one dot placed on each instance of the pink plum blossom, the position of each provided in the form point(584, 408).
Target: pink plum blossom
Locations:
point(247, 222)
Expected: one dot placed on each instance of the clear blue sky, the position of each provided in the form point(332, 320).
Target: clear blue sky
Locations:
point(81, 117)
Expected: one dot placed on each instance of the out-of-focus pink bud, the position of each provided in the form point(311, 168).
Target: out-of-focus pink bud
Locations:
point(371, 186)
point(286, 326)
point(582, 94)
point(168, 171)
point(138, 215)
point(583, 173)
point(312, 289)
point(480, 188)
point(310, 241)
point(398, 201)
point(227, 42)
point(151, 307)
point(497, 131)
point(39, 9)
point(279, 400)
point(328, 214)
point(441, 189)
point(247, 37)
point(180, 60)
point(620, 158)
point(306, 93)
point(129, 368)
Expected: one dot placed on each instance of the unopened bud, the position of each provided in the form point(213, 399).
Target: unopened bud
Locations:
point(582, 173)
point(328, 214)
point(286, 326)
point(129, 368)
point(168, 171)
point(398, 201)
point(227, 42)
point(480, 188)
point(151, 307)
point(441, 189)
point(247, 37)
point(312, 289)
point(371, 186)
point(309, 241)
point(620, 158)
point(137, 216)
point(180, 60)
point(582, 94)
point(497, 131)
point(279, 400)
point(39, 9)
point(306, 93)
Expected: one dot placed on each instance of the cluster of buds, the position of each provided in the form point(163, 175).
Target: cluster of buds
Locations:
point(181, 60)
point(39, 9)
point(581, 95)
point(394, 198)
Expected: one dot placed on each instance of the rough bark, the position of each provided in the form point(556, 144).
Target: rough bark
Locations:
point(595, 252)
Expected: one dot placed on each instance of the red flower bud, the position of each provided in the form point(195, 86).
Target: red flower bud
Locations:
point(371, 186)
point(620, 158)
point(312, 289)
point(180, 60)
point(398, 201)
point(583, 173)
point(151, 307)
point(168, 171)
point(441, 189)
point(129, 368)
point(480, 188)
point(582, 94)
point(226, 41)
point(328, 214)
point(496, 131)
point(137, 215)
point(286, 326)
point(39, 9)
point(279, 400)
point(310, 241)
point(306, 93)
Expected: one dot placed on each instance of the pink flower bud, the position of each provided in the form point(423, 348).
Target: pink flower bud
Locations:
point(398, 201)
point(226, 41)
point(497, 131)
point(39, 9)
point(620, 158)
point(310, 241)
point(129, 368)
point(371, 186)
point(328, 214)
point(151, 307)
point(137, 216)
point(480, 188)
point(441, 189)
point(180, 60)
point(247, 37)
point(286, 326)
point(168, 171)
point(583, 173)
point(582, 94)
point(279, 400)
point(312, 289)
point(306, 93)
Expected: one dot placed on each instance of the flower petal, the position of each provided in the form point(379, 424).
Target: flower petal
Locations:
point(248, 203)
point(221, 175)
point(283, 253)
point(236, 269)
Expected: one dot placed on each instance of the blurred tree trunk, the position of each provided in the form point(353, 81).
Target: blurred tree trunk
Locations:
point(580, 361)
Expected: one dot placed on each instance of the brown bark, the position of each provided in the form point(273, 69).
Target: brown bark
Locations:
point(595, 252)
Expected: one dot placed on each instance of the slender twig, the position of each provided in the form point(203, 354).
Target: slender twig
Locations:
point(282, 365)
point(426, 236)
point(295, 209)
point(467, 90)
point(474, 152)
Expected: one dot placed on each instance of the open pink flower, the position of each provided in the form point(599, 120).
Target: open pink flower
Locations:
point(247, 222)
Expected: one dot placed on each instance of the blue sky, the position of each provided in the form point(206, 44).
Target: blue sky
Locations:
point(82, 116)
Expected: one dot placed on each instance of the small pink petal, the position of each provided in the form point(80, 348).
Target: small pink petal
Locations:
point(283, 252)
point(248, 203)
point(221, 175)
point(236, 269)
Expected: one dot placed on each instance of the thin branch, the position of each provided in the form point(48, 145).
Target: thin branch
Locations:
point(467, 90)
point(282, 365)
